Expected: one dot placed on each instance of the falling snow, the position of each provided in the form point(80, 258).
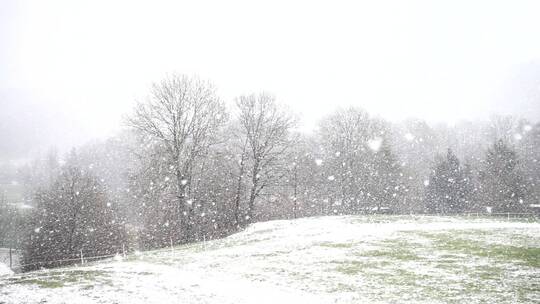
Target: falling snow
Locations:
point(375, 144)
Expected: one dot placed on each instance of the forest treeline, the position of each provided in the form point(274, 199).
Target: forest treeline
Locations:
point(189, 168)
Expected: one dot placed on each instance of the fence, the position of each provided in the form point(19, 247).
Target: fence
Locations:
point(9, 256)
point(17, 267)
point(508, 215)
point(80, 257)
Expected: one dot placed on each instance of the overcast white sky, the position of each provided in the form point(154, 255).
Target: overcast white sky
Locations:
point(70, 69)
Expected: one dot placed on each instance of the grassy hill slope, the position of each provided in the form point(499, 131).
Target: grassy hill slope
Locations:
point(353, 259)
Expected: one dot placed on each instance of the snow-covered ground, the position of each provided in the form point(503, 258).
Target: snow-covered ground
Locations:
point(4, 260)
point(5, 270)
point(376, 259)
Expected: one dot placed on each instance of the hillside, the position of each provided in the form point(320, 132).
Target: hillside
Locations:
point(353, 259)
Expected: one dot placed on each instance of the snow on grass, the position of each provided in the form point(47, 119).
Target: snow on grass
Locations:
point(4, 270)
point(355, 259)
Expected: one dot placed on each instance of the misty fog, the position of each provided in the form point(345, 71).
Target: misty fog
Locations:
point(251, 151)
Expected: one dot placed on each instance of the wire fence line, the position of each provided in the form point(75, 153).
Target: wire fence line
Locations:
point(9, 256)
point(508, 215)
point(83, 260)
point(76, 257)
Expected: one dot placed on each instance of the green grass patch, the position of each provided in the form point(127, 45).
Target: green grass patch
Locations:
point(526, 256)
point(57, 279)
point(393, 249)
point(335, 245)
point(351, 268)
point(354, 267)
point(41, 283)
point(401, 254)
point(341, 287)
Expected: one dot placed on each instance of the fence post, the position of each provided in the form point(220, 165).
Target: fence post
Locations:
point(10, 259)
point(172, 248)
point(123, 251)
point(204, 242)
point(82, 258)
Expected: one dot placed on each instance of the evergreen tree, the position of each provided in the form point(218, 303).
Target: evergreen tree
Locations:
point(469, 189)
point(502, 184)
point(530, 148)
point(387, 185)
point(448, 190)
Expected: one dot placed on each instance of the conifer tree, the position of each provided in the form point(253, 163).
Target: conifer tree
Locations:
point(448, 188)
point(502, 184)
point(387, 183)
point(530, 165)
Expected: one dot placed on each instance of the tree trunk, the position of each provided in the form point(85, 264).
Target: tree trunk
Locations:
point(295, 187)
point(181, 218)
point(253, 192)
point(239, 187)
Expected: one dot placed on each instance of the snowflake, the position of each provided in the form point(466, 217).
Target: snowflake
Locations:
point(375, 144)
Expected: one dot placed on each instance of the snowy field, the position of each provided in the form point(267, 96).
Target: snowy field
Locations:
point(377, 259)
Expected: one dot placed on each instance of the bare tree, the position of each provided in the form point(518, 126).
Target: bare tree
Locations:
point(72, 215)
point(183, 115)
point(241, 171)
point(345, 136)
point(265, 126)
